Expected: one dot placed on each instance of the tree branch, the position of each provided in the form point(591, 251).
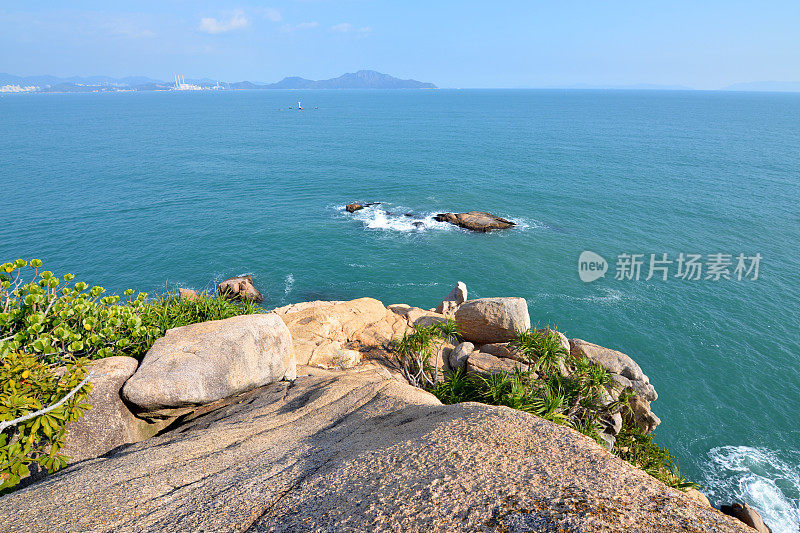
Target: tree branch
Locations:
point(8, 423)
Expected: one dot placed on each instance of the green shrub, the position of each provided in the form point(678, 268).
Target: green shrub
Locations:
point(641, 451)
point(416, 352)
point(50, 329)
point(29, 385)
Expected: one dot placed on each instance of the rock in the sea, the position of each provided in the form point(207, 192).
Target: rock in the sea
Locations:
point(456, 297)
point(475, 221)
point(484, 363)
point(489, 320)
point(240, 288)
point(459, 355)
point(188, 294)
point(109, 423)
point(746, 514)
point(358, 451)
point(201, 363)
point(352, 208)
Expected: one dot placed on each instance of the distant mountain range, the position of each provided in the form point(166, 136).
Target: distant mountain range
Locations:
point(363, 79)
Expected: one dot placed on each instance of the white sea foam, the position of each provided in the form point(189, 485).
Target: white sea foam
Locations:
point(379, 218)
point(288, 284)
point(760, 477)
point(606, 296)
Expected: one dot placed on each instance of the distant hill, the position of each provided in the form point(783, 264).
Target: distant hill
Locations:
point(773, 86)
point(363, 79)
point(45, 80)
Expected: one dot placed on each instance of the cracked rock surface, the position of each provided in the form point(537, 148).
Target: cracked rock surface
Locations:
point(356, 451)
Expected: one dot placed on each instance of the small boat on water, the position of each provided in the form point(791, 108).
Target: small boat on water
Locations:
point(299, 105)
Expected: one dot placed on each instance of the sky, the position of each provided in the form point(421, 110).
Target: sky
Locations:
point(703, 44)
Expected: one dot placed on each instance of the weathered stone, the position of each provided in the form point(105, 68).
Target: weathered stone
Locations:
point(357, 451)
point(747, 515)
point(490, 320)
point(200, 363)
point(616, 363)
point(109, 423)
point(188, 295)
point(459, 355)
point(352, 208)
point(698, 496)
point(504, 350)
point(415, 316)
point(641, 416)
point(475, 221)
point(321, 331)
point(483, 363)
point(240, 288)
point(456, 297)
point(302, 306)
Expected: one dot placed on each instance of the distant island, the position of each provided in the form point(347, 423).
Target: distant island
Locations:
point(363, 79)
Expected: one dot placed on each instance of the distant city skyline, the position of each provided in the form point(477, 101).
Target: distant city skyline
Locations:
point(709, 45)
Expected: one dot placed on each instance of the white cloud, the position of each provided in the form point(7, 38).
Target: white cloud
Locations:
point(237, 21)
point(301, 26)
point(270, 13)
point(344, 27)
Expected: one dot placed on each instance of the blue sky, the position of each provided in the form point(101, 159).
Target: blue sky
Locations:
point(701, 44)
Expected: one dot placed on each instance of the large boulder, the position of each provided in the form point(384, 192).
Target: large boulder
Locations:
point(352, 208)
point(475, 221)
point(489, 320)
point(240, 288)
point(109, 423)
point(357, 451)
point(326, 333)
point(456, 297)
point(202, 363)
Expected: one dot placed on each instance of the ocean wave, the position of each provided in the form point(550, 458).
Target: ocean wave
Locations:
point(767, 481)
point(607, 296)
point(288, 284)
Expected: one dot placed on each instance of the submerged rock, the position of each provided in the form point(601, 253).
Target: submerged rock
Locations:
point(240, 288)
point(357, 451)
point(747, 515)
point(488, 320)
point(475, 221)
point(201, 363)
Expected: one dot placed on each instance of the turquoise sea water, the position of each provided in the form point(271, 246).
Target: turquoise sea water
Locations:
point(154, 190)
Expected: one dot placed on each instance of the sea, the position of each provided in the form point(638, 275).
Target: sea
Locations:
point(688, 202)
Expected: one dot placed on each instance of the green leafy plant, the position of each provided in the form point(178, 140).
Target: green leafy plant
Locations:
point(29, 385)
point(50, 328)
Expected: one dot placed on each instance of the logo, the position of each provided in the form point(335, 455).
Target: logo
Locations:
point(591, 266)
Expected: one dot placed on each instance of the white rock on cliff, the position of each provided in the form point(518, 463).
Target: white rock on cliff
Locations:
point(205, 362)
